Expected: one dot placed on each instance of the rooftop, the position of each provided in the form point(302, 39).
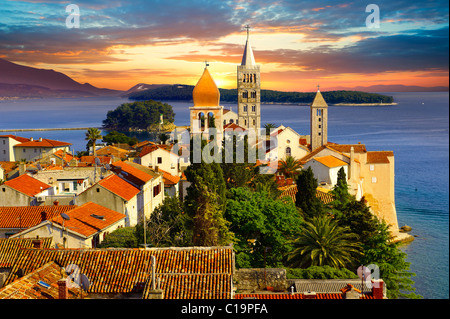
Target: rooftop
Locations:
point(119, 186)
point(27, 185)
point(29, 216)
point(89, 218)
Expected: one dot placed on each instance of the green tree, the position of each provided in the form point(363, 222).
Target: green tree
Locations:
point(92, 135)
point(205, 204)
point(166, 226)
point(115, 137)
point(305, 197)
point(391, 261)
point(120, 238)
point(324, 243)
point(260, 222)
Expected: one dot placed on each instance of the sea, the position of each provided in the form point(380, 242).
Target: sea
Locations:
point(416, 129)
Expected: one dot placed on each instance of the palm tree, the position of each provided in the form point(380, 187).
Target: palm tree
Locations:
point(268, 127)
point(324, 243)
point(92, 135)
point(290, 166)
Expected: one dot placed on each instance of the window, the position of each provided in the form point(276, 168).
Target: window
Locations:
point(253, 95)
point(245, 108)
point(35, 150)
point(319, 112)
point(374, 180)
point(156, 190)
point(320, 120)
point(245, 95)
point(4, 142)
point(24, 150)
point(288, 151)
point(320, 133)
point(4, 151)
point(159, 160)
point(4, 189)
point(372, 167)
point(320, 126)
point(98, 190)
point(254, 122)
point(253, 108)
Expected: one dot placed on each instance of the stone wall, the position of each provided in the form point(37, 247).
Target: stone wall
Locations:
point(247, 280)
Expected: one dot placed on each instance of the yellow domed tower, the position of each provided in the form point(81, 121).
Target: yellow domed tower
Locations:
point(206, 111)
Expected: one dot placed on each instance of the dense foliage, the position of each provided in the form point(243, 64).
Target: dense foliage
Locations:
point(184, 93)
point(263, 227)
point(115, 137)
point(317, 272)
point(138, 115)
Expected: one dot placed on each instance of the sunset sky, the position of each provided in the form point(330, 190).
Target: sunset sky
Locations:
point(298, 44)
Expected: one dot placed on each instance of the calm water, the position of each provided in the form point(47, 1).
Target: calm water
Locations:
point(416, 130)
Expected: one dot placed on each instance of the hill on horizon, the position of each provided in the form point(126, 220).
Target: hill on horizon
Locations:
point(22, 81)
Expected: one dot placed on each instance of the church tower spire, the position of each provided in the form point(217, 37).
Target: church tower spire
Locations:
point(249, 89)
point(319, 121)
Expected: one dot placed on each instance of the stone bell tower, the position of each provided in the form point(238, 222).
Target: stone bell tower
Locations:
point(249, 89)
point(319, 121)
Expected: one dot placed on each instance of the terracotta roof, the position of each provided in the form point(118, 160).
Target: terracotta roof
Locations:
point(151, 148)
point(29, 216)
point(10, 248)
point(131, 173)
point(112, 150)
point(143, 143)
point(119, 187)
point(91, 159)
point(17, 138)
point(233, 126)
point(331, 146)
point(295, 296)
point(169, 179)
point(193, 286)
point(83, 220)
point(345, 148)
point(8, 166)
point(380, 157)
point(27, 185)
point(330, 161)
point(29, 287)
point(47, 143)
point(67, 158)
point(128, 270)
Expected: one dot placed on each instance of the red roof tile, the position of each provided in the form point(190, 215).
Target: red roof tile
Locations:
point(27, 185)
point(188, 272)
point(83, 220)
point(10, 248)
point(28, 287)
point(29, 216)
point(131, 173)
point(119, 187)
point(169, 179)
point(43, 143)
point(17, 138)
point(380, 157)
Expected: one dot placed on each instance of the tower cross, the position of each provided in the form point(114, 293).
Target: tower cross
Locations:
point(248, 30)
point(206, 63)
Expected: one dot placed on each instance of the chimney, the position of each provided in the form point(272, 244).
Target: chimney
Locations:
point(56, 203)
point(309, 295)
point(63, 291)
point(43, 216)
point(377, 288)
point(352, 163)
point(156, 292)
point(37, 243)
point(22, 168)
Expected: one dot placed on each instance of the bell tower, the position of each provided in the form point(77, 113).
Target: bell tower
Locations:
point(319, 121)
point(249, 89)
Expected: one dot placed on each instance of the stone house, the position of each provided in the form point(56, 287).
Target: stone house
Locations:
point(86, 227)
point(149, 182)
point(117, 194)
point(159, 157)
point(154, 273)
point(15, 219)
point(326, 169)
point(24, 191)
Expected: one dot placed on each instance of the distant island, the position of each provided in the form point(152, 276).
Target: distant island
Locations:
point(179, 92)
